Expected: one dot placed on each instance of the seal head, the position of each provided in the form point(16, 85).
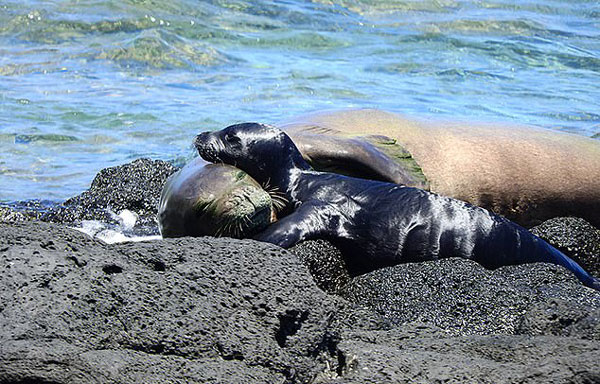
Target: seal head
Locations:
point(213, 200)
point(260, 149)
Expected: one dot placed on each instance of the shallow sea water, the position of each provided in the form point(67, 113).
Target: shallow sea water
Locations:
point(89, 84)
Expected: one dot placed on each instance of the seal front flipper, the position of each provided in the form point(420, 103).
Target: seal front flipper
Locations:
point(373, 157)
point(305, 223)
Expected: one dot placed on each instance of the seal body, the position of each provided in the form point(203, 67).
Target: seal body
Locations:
point(205, 199)
point(527, 174)
point(375, 223)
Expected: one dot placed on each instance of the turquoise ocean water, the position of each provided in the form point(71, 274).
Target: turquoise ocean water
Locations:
point(90, 84)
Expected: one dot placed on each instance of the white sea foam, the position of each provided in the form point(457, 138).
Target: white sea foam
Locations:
point(115, 234)
point(126, 218)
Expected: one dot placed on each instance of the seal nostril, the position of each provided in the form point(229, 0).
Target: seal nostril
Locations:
point(201, 139)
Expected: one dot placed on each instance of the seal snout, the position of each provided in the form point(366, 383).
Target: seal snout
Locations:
point(206, 146)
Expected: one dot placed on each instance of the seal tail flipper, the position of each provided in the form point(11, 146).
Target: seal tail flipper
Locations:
point(533, 249)
point(554, 256)
point(512, 244)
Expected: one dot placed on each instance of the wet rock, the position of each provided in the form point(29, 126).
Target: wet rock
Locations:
point(10, 215)
point(116, 193)
point(135, 186)
point(24, 210)
point(576, 238)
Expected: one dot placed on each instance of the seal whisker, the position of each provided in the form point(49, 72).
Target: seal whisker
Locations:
point(239, 228)
point(278, 198)
point(223, 228)
point(267, 185)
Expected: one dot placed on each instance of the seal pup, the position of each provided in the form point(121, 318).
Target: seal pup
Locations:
point(376, 224)
point(525, 173)
point(204, 199)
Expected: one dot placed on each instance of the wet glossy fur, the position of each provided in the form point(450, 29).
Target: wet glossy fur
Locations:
point(375, 223)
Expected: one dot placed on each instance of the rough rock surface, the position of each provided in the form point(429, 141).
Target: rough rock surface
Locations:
point(576, 238)
point(421, 354)
point(74, 310)
point(562, 318)
point(8, 214)
point(463, 298)
point(134, 186)
point(325, 263)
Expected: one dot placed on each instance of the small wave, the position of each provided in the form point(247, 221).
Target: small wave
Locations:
point(98, 230)
point(579, 116)
point(302, 41)
point(162, 50)
point(417, 69)
point(44, 138)
point(39, 26)
point(488, 27)
point(124, 231)
point(390, 7)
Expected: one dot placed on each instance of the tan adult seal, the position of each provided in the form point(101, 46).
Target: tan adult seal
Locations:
point(203, 199)
point(527, 174)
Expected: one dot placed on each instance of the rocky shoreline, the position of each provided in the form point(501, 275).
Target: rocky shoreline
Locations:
point(74, 309)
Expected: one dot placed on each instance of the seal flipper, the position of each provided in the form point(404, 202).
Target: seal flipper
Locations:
point(369, 157)
point(401, 158)
point(295, 227)
point(554, 256)
point(519, 246)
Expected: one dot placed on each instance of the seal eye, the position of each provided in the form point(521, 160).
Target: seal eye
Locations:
point(231, 138)
point(240, 175)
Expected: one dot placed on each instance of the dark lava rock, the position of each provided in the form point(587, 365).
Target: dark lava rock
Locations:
point(417, 353)
point(135, 186)
point(562, 318)
point(75, 310)
point(576, 238)
point(462, 297)
point(10, 215)
point(24, 210)
point(324, 262)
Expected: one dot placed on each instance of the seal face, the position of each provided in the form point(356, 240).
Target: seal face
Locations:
point(375, 223)
point(250, 144)
point(213, 200)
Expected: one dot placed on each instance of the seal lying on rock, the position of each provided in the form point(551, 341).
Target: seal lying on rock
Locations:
point(525, 173)
point(205, 199)
point(375, 223)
